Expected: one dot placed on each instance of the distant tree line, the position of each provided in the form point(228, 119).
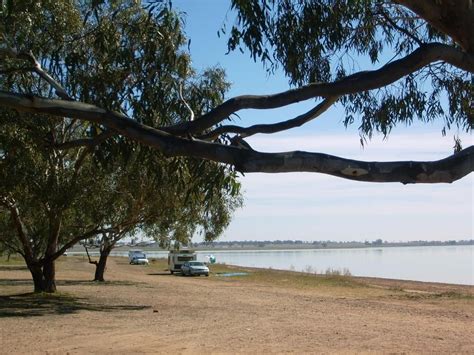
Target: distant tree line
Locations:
point(324, 243)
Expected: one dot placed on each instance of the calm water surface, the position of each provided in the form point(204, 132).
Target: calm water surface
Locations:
point(450, 264)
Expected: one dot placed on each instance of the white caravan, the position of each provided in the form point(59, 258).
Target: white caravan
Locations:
point(176, 258)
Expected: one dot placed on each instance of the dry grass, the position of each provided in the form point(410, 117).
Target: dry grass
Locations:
point(332, 282)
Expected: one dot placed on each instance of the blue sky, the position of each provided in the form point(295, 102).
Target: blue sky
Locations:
point(310, 206)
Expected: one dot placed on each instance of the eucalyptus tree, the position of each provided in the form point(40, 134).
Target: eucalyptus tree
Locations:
point(45, 194)
point(54, 169)
point(169, 202)
point(431, 44)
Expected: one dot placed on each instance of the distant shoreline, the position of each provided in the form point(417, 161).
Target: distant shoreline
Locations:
point(247, 246)
point(356, 261)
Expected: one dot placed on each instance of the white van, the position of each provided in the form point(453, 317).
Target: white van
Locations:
point(137, 257)
point(176, 259)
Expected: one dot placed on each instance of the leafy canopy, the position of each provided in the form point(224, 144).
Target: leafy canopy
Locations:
point(122, 67)
point(78, 177)
point(324, 41)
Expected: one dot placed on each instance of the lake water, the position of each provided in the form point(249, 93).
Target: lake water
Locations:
point(449, 264)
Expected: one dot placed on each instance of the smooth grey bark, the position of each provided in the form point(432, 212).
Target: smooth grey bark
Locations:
point(358, 82)
point(445, 170)
point(248, 160)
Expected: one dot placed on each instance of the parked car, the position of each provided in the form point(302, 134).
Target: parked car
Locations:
point(176, 259)
point(194, 268)
point(137, 257)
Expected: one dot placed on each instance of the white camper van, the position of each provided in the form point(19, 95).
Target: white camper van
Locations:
point(176, 258)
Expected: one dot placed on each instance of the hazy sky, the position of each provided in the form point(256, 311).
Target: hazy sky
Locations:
point(311, 206)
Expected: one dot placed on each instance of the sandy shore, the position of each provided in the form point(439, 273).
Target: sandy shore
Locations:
point(145, 310)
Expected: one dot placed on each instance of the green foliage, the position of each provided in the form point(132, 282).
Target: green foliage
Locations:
point(122, 57)
point(43, 183)
point(167, 200)
point(322, 41)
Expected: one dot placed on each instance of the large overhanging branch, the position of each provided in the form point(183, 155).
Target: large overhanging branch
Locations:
point(276, 127)
point(359, 82)
point(446, 170)
point(247, 160)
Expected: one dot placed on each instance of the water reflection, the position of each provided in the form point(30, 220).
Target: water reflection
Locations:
point(450, 264)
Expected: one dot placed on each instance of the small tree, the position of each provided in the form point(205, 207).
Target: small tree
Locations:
point(166, 202)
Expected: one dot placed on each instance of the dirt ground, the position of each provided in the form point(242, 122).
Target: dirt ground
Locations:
point(142, 309)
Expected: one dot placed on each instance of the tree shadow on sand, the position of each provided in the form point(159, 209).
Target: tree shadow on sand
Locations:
point(20, 282)
point(16, 282)
point(98, 283)
point(40, 304)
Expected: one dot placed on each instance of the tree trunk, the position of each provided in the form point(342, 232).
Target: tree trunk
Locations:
point(100, 266)
point(37, 274)
point(44, 276)
point(49, 266)
point(49, 276)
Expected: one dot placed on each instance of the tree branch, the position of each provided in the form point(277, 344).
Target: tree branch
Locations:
point(13, 53)
point(358, 82)
point(48, 78)
point(7, 245)
point(89, 257)
point(72, 242)
point(446, 170)
point(191, 112)
point(86, 142)
point(276, 127)
point(19, 226)
point(400, 29)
